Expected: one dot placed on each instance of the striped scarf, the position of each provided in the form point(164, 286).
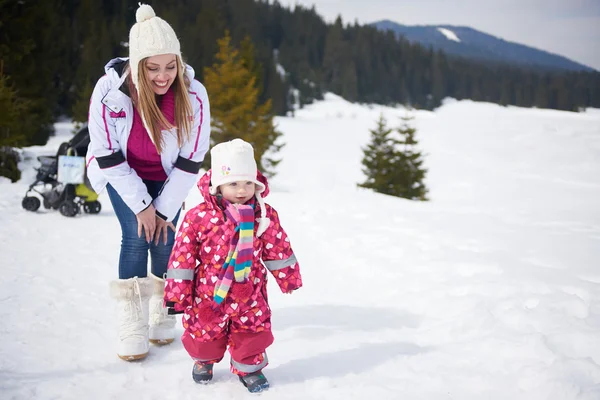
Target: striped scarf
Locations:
point(239, 259)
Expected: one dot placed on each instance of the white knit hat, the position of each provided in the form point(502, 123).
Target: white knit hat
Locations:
point(150, 36)
point(234, 161)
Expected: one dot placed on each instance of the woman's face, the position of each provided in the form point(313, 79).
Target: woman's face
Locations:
point(161, 72)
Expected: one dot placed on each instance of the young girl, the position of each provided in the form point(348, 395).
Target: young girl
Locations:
point(217, 271)
point(149, 124)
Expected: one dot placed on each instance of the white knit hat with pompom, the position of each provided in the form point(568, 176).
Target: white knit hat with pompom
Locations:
point(150, 36)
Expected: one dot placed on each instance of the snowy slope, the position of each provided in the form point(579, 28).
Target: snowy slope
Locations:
point(489, 291)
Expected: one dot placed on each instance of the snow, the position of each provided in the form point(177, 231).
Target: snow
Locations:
point(278, 67)
point(281, 71)
point(450, 35)
point(294, 105)
point(491, 290)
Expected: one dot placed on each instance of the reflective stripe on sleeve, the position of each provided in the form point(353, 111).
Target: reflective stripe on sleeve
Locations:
point(274, 265)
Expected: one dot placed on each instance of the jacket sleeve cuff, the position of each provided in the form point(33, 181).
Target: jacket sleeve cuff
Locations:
point(141, 205)
point(161, 216)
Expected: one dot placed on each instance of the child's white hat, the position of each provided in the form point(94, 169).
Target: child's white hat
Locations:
point(234, 161)
point(150, 36)
point(231, 162)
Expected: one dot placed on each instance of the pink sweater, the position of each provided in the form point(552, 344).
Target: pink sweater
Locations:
point(142, 155)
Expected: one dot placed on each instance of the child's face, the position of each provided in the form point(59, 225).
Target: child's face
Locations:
point(238, 192)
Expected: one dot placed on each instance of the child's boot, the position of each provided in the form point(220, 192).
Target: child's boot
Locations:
point(202, 373)
point(162, 325)
point(132, 296)
point(255, 382)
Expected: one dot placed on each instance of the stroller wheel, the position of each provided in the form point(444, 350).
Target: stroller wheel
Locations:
point(47, 204)
point(31, 203)
point(92, 207)
point(68, 208)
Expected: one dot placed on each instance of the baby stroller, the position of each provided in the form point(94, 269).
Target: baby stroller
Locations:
point(69, 199)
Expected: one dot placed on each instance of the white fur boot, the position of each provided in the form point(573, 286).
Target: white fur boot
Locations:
point(132, 296)
point(162, 325)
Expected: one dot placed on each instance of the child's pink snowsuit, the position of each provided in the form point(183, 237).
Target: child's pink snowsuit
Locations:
point(243, 320)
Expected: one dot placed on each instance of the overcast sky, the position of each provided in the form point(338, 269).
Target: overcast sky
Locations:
point(567, 27)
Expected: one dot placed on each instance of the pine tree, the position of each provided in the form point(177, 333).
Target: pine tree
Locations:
point(82, 103)
point(411, 172)
point(31, 42)
point(235, 110)
point(392, 165)
point(248, 56)
point(94, 51)
point(13, 108)
point(379, 161)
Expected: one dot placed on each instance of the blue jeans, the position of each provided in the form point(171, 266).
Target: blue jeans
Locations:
point(133, 260)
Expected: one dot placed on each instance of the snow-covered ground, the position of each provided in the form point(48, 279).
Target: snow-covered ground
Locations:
point(489, 291)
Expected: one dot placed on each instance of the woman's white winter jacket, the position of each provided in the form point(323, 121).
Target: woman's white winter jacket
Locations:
point(110, 122)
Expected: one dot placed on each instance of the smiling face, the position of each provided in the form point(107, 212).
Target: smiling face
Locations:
point(238, 192)
point(161, 72)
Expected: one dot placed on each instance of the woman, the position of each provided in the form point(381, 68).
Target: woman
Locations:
point(149, 126)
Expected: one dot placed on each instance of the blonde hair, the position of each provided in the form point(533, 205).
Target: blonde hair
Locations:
point(145, 101)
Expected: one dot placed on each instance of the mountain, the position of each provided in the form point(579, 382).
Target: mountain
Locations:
point(471, 43)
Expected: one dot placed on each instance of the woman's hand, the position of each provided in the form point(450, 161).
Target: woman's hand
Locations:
point(146, 220)
point(161, 229)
